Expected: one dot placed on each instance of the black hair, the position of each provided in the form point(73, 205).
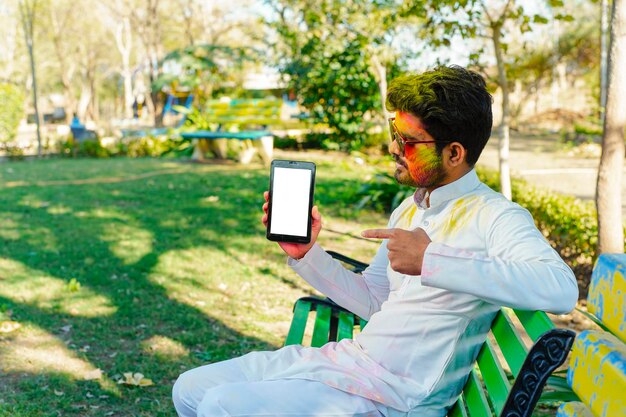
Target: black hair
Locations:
point(452, 102)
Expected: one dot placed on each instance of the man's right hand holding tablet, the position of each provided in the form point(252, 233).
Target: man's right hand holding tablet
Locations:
point(297, 250)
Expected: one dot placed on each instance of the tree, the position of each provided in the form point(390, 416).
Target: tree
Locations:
point(27, 14)
point(609, 183)
point(62, 17)
point(337, 55)
point(203, 68)
point(116, 16)
point(483, 19)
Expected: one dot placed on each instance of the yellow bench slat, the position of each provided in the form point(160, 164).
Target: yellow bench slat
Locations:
point(597, 372)
point(607, 293)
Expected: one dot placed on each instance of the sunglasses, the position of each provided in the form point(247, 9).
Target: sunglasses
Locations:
point(402, 141)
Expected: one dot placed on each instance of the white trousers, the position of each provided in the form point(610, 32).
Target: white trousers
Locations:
point(231, 389)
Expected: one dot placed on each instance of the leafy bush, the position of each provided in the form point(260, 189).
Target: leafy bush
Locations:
point(93, 148)
point(148, 146)
point(134, 148)
point(88, 148)
point(286, 142)
point(588, 133)
point(383, 193)
point(569, 224)
point(334, 142)
point(11, 111)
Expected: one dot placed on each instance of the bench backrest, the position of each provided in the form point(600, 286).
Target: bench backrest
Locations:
point(597, 368)
point(242, 112)
point(488, 391)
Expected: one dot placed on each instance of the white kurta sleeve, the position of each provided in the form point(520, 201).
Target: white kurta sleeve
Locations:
point(520, 269)
point(361, 294)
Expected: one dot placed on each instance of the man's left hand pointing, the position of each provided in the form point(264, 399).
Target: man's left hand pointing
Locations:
point(406, 248)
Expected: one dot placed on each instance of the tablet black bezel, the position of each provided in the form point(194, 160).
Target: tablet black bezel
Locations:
point(279, 163)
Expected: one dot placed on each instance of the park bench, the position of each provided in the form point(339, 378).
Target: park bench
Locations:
point(245, 120)
point(597, 367)
point(488, 391)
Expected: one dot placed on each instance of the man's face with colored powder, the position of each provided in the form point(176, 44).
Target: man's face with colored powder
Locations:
point(420, 165)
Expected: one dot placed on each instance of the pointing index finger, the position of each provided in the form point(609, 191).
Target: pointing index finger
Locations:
point(377, 233)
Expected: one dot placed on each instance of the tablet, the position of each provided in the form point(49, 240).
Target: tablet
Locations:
point(292, 184)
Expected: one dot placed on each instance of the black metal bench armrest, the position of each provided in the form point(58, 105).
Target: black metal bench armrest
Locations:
point(548, 353)
point(358, 266)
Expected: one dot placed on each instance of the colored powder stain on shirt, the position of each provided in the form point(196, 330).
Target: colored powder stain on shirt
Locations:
point(406, 218)
point(460, 215)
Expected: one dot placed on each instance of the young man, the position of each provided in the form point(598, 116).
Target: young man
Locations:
point(452, 255)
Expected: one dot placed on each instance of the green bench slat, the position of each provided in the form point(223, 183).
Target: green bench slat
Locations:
point(536, 323)
point(322, 326)
point(458, 409)
point(475, 397)
point(298, 323)
point(510, 343)
point(495, 379)
point(345, 326)
point(362, 323)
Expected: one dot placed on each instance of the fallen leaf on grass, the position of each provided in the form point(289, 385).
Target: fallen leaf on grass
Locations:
point(95, 374)
point(136, 379)
point(9, 326)
point(58, 393)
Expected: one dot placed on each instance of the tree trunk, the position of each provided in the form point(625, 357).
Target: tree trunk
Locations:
point(604, 25)
point(503, 148)
point(66, 71)
point(123, 40)
point(27, 11)
point(380, 73)
point(35, 100)
point(609, 185)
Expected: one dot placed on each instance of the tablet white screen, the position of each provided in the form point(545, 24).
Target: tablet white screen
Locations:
point(290, 201)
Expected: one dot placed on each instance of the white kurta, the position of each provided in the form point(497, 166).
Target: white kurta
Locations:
point(424, 331)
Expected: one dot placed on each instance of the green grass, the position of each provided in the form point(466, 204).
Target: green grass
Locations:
point(147, 266)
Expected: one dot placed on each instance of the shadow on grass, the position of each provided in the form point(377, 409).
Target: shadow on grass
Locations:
point(114, 237)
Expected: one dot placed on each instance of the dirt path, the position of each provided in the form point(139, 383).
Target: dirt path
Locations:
point(545, 162)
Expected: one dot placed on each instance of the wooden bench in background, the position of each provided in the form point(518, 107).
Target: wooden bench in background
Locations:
point(245, 120)
point(488, 391)
point(597, 367)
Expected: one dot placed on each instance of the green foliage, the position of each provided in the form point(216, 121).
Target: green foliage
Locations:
point(133, 147)
point(11, 111)
point(588, 130)
point(73, 285)
point(335, 86)
point(382, 193)
point(149, 146)
point(204, 68)
point(93, 149)
point(333, 54)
